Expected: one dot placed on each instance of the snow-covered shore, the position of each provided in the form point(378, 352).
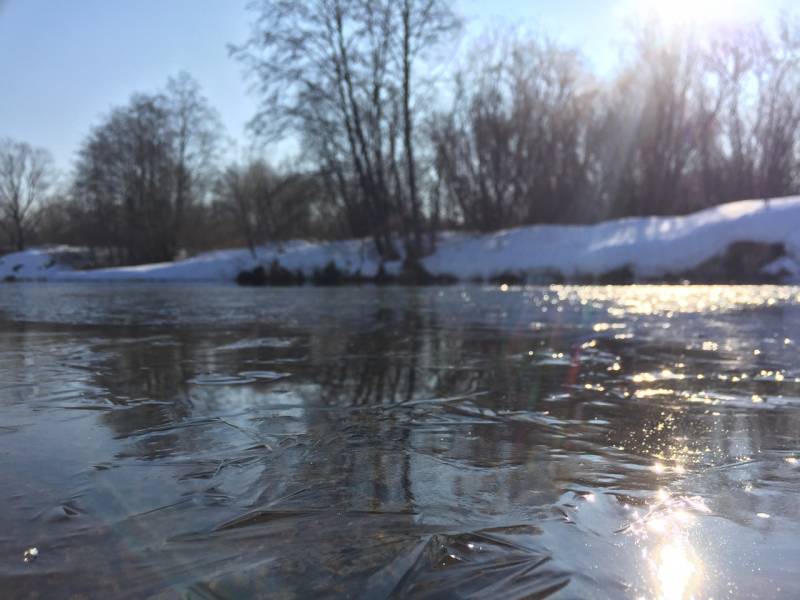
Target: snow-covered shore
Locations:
point(649, 248)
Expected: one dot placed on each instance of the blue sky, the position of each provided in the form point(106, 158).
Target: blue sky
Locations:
point(64, 63)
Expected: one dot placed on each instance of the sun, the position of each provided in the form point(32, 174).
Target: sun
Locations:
point(702, 13)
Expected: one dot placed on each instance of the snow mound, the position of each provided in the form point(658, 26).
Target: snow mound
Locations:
point(33, 264)
point(651, 247)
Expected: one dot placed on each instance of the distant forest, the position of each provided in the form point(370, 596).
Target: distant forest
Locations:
point(398, 140)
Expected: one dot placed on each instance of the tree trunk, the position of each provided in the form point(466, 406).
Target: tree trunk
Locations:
point(408, 134)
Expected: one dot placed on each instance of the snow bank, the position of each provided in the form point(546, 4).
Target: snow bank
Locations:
point(651, 247)
point(351, 256)
point(36, 263)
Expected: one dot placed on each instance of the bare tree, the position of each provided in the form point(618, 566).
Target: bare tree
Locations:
point(340, 73)
point(650, 128)
point(197, 131)
point(265, 205)
point(142, 168)
point(25, 177)
point(777, 124)
point(513, 149)
point(423, 24)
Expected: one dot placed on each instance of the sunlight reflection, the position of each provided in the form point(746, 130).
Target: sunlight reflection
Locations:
point(671, 563)
point(675, 570)
point(670, 301)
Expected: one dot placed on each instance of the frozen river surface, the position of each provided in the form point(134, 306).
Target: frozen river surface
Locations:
point(217, 442)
